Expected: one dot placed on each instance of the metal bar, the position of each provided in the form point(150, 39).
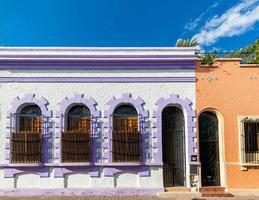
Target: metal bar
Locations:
point(251, 128)
point(126, 141)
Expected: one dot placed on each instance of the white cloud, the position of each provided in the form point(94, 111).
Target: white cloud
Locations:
point(192, 24)
point(235, 21)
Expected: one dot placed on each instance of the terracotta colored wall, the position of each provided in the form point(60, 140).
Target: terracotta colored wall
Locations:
point(232, 90)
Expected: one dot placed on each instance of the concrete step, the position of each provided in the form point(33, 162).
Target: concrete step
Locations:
point(177, 189)
point(214, 191)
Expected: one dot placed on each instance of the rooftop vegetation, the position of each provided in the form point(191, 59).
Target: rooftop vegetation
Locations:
point(248, 55)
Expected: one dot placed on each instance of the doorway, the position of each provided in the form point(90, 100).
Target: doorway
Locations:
point(209, 149)
point(173, 141)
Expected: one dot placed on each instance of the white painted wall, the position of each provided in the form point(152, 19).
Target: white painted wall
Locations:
point(27, 181)
point(126, 180)
point(78, 180)
point(153, 181)
point(101, 92)
point(81, 180)
point(98, 73)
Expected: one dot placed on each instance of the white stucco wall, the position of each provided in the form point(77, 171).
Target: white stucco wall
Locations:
point(98, 73)
point(78, 180)
point(101, 92)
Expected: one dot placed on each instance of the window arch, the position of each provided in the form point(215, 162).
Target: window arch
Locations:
point(78, 118)
point(30, 119)
point(76, 139)
point(126, 145)
point(26, 141)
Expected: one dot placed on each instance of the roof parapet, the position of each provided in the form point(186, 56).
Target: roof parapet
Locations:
point(11, 57)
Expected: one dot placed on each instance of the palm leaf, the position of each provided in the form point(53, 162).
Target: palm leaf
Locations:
point(187, 42)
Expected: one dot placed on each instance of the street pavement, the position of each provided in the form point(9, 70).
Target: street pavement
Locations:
point(120, 198)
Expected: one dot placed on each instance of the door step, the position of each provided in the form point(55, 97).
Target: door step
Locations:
point(177, 189)
point(214, 191)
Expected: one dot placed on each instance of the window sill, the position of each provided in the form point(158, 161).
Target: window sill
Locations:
point(114, 164)
point(122, 164)
point(45, 164)
point(249, 164)
point(73, 164)
point(246, 166)
point(127, 164)
point(23, 165)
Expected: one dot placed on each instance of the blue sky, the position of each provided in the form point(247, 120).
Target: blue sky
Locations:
point(220, 24)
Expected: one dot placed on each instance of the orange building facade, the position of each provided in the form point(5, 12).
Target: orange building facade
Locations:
point(227, 104)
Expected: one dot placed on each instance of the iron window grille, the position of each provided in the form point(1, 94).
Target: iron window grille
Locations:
point(126, 138)
point(76, 140)
point(26, 138)
point(250, 141)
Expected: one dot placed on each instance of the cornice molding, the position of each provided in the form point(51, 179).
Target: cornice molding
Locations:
point(96, 58)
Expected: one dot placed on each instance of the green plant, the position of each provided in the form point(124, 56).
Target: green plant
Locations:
point(187, 42)
point(208, 58)
point(249, 55)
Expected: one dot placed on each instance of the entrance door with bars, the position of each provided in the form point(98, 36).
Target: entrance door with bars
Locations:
point(173, 139)
point(209, 149)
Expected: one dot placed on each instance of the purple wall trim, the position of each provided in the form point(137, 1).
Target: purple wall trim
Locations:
point(60, 172)
point(141, 170)
point(65, 66)
point(113, 103)
point(97, 58)
point(81, 192)
point(16, 104)
point(173, 62)
point(190, 116)
point(95, 79)
point(65, 104)
point(13, 171)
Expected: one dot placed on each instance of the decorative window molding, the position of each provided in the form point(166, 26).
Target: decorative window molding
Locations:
point(138, 104)
point(249, 152)
point(65, 105)
point(17, 104)
point(190, 120)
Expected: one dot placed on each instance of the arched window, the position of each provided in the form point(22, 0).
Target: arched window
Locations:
point(30, 119)
point(26, 140)
point(76, 140)
point(126, 135)
point(78, 119)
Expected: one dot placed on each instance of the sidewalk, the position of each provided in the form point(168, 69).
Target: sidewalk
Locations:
point(119, 198)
